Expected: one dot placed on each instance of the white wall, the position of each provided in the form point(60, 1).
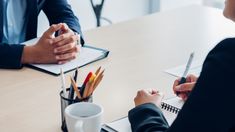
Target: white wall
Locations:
point(214, 3)
point(115, 10)
point(171, 4)
point(118, 10)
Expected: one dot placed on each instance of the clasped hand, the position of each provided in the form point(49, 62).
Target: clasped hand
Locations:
point(50, 49)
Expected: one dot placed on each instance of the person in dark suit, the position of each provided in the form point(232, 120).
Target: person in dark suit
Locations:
point(210, 105)
point(18, 23)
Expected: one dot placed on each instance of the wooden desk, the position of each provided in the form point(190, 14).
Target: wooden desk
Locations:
point(141, 50)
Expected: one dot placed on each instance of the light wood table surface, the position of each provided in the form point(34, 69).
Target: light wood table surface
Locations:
point(140, 50)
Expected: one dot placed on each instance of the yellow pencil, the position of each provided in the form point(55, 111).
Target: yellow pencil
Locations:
point(91, 89)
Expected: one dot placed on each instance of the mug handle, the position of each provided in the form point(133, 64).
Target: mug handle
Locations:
point(78, 127)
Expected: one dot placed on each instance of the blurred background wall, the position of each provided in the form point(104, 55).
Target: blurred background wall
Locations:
point(122, 10)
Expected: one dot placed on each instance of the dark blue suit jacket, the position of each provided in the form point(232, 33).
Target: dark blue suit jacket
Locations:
point(57, 11)
point(210, 106)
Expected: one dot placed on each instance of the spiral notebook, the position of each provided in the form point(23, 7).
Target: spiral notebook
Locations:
point(170, 109)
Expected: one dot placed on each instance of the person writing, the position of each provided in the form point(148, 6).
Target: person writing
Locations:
point(208, 108)
point(19, 23)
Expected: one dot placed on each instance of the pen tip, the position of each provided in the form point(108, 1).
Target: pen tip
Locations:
point(192, 54)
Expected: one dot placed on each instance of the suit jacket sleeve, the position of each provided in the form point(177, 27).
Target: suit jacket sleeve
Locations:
point(10, 56)
point(59, 11)
point(147, 118)
point(210, 106)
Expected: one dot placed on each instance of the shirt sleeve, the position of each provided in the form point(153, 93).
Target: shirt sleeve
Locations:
point(10, 56)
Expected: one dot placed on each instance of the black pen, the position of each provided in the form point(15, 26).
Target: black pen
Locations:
point(71, 90)
point(183, 78)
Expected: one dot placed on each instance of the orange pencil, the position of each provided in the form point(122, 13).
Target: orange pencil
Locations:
point(88, 84)
point(98, 71)
point(75, 87)
point(97, 82)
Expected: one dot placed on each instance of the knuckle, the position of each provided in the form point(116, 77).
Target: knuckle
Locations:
point(50, 41)
point(73, 38)
point(69, 55)
point(59, 43)
point(65, 24)
point(53, 26)
point(182, 86)
point(62, 36)
point(76, 49)
point(135, 98)
point(73, 54)
point(70, 46)
point(142, 91)
point(61, 56)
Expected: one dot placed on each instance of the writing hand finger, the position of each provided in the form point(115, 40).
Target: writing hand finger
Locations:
point(176, 83)
point(185, 87)
point(191, 78)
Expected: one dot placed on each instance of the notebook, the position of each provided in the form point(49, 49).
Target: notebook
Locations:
point(87, 55)
point(170, 109)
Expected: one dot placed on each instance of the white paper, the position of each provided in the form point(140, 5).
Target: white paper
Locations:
point(178, 71)
point(85, 56)
point(176, 102)
point(123, 124)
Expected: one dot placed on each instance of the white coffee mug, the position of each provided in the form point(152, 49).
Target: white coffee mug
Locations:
point(84, 117)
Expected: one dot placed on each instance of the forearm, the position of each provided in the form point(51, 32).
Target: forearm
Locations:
point(147, 118)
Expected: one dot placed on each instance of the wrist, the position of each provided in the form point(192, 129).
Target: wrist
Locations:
point(28, 55)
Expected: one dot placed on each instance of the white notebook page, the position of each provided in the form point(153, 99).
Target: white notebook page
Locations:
point(123, 124)
point(178, 71)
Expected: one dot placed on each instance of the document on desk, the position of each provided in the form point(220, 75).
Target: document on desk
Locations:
point(170, 108)
point(178, 71)
point(87, 55)
point(120, 125)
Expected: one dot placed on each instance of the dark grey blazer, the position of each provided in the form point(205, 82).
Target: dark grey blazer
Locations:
point(210, 106)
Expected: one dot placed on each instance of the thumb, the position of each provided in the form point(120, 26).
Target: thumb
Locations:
point(53, 28)
point(64, 28)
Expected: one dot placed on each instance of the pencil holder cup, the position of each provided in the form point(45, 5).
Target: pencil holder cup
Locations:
point(65, 101)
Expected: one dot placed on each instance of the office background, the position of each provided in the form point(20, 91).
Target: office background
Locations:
point(121, 10)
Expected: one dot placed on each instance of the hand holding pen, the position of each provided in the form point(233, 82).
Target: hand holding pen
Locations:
point(185, 88)
point(183, 79)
